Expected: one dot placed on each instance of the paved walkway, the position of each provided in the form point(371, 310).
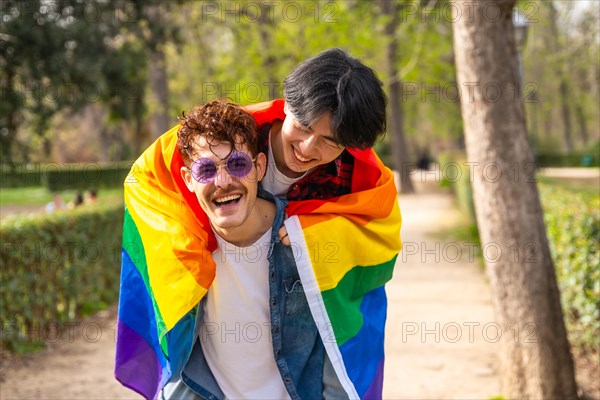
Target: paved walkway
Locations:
point(437, 347)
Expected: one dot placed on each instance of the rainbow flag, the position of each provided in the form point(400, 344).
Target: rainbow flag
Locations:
point(345, 249)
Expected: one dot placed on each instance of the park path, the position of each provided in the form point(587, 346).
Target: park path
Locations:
point(436, 347)
point(441, 338)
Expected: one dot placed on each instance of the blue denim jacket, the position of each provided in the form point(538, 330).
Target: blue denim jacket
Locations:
point(297, 348)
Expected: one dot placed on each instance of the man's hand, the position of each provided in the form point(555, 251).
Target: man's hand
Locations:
point(283, 236)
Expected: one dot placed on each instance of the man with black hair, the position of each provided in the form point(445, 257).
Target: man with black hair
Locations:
point(331, 102)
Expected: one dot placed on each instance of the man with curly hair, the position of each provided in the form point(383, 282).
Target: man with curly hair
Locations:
point(246, 346)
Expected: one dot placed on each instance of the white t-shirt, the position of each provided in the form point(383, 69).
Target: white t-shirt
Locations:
point(236, 332)
point(274, 181)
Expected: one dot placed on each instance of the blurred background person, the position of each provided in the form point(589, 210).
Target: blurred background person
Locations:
point(56, 204)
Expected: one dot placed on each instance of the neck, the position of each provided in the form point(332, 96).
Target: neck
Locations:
point(257, 223)
point(277, 148)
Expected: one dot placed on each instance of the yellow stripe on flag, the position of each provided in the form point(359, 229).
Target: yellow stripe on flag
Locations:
point(169, 232)
point(338, 245)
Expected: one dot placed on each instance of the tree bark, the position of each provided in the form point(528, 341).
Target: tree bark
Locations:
point(399, 151)
point(563, 87)
point(8, 137)
point(581, 120)
point(265, 27)
point(565, 111)
point(535, 359)
point(155, 39)
point(160, 89)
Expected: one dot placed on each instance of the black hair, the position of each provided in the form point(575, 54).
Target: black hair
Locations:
point(336, 82)
point(78, 199)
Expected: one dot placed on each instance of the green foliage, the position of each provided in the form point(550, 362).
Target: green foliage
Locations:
point(56, 268)
point(431, 96)
point(573, 222)
point(561, 86)
point(60, 56)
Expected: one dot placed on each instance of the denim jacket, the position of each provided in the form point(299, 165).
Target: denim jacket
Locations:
point(298, 350)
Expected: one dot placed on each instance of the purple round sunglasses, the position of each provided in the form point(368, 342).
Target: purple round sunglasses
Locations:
point(238, 164)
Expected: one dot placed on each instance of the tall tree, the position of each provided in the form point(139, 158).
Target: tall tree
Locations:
point(391, 8)
point(154, 29)
point(266, 24)
point(561, 64)
point(535, 360)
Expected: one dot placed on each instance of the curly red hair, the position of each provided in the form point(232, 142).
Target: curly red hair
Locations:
point(219, 121)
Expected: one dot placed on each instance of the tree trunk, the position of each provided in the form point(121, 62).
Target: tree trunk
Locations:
point(155, 40)
point(265, 27)
point(95, 116)
point(535, 359)
point(565, 111)
point(396, 117)
point(160, 89)
point(581, 120)
point(561, 75)
point(8, 137)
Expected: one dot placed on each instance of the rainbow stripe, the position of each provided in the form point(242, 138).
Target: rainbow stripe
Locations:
point(345, 250)
point(343, 262)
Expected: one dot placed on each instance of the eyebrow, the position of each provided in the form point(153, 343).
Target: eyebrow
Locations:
point(331, 138)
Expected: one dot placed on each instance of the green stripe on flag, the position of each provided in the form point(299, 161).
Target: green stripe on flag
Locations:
point(343, 302)
point(134, 247)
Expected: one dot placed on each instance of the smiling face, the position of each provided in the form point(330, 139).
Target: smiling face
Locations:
point(299, 148)
point(228, 201)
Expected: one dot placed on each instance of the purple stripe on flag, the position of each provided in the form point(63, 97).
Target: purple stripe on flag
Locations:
point(376, 388)
point(134, 356)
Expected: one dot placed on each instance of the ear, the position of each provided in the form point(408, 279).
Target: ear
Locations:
point(187, 178)
point(261, 166)
point(286, 108)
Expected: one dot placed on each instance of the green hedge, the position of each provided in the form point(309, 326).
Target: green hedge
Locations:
point(588, 159)
point(58, 177)
point(56, 268)
point(573, 222)
point(26, 178)
point(455, 175)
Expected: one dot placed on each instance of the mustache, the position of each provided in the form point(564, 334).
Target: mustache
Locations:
point(230, 189)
